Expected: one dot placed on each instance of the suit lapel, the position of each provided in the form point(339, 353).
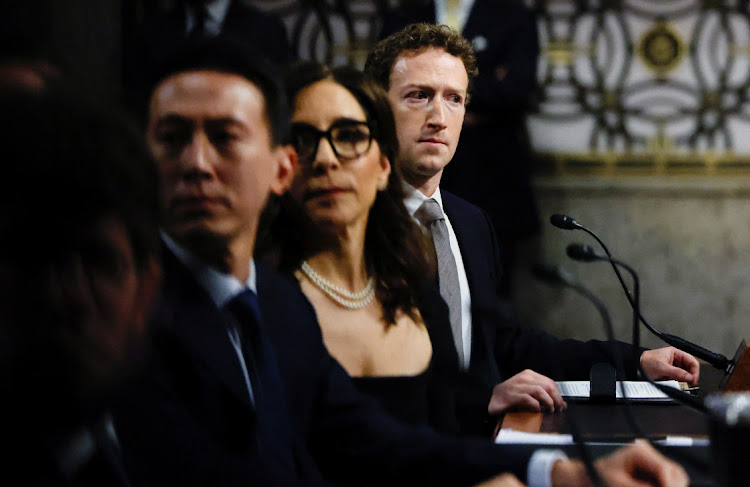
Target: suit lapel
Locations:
point(472, 252)
point(466, 236)
point(196, 321)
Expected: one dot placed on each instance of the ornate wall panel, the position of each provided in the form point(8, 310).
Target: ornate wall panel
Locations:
point(638, 86)
point(628, 86)
point(335, 31)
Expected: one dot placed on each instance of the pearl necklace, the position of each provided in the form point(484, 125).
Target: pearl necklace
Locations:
point(343, 297)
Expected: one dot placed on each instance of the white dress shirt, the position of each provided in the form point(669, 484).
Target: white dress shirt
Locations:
point(221, 288)
point(539, 469)
point(414, 199)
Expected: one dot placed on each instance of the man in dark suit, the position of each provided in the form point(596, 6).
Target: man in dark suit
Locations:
point(505, 40)
point(250, 396)
point(428, 72)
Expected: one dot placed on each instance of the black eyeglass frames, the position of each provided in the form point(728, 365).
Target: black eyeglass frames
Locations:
point(349, 139)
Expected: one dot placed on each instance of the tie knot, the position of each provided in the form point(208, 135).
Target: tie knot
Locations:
point(245, 303)
point(430, 212)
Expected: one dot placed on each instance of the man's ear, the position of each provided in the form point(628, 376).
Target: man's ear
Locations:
point(286, 166)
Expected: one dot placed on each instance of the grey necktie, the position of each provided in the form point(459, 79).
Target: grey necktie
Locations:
point(432, 217)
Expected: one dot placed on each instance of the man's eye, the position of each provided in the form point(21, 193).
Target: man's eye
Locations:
point(222, 138)
point(172, 138)
point(417, 95)
point(455, 99)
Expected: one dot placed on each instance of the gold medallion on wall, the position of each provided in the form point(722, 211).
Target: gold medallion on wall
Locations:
point(661, 48)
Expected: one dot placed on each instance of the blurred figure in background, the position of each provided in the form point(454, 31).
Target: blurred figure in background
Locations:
point(195, 20)
point(492, 165)
point(78, 273)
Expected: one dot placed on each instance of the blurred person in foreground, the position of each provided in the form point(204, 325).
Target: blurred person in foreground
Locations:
point(78, 274)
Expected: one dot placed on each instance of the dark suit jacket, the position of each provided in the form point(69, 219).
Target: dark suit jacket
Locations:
point(500, 346)
point(187, 419)
point(491, 167)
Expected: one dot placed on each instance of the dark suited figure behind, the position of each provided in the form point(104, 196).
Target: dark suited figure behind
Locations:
point(77, 277)
point(195, 20)
point(492, 166)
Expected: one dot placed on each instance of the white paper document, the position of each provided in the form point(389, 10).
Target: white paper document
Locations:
point(636, 390)
point(509, 436)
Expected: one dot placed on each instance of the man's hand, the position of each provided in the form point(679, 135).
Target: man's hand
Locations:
point(502, 480)
point(637, 465)
point(526, 391)
point(669, 363)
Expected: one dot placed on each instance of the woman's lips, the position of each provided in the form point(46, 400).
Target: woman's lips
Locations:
point(325, 192)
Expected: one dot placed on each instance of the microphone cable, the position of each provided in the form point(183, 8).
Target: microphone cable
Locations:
point(585, 253)
point(719, 361)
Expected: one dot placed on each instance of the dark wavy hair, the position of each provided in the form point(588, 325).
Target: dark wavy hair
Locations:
point(415, 39)
point(394, 243)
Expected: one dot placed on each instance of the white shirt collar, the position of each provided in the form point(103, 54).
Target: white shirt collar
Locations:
point(220, 286)
point(217, 12)
point(414, 198)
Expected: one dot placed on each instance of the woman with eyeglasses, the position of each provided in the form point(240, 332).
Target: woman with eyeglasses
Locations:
point(345, 235)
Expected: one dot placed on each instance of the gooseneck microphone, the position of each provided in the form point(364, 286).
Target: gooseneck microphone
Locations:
point(553, 275)
point(586, 253)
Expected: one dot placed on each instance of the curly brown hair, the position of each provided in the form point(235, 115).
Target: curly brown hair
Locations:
point(394, 243)
point(415, 39)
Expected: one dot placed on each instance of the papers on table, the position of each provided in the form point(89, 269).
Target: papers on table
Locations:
point(509, 436)
point(634, 390)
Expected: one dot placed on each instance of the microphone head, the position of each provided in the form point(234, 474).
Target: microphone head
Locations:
point(564, 221)
point(581, 252)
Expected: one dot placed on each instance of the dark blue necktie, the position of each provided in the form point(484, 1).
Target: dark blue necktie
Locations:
point(274, 429)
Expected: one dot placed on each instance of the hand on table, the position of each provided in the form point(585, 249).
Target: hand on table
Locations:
point(526, 391)
point(636, 465)
point(669, 363)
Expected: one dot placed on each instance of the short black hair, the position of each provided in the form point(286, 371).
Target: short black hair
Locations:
point(227, 56)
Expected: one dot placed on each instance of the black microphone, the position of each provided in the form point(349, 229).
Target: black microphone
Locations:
point(565, 222)
point(585, 253)
point(718, 360)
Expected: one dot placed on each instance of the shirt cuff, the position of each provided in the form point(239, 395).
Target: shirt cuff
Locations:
point(539, 473)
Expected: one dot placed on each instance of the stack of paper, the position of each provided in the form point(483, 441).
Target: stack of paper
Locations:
point(635, 390)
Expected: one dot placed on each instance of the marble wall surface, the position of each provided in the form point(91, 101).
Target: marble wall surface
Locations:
point(688, 239)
